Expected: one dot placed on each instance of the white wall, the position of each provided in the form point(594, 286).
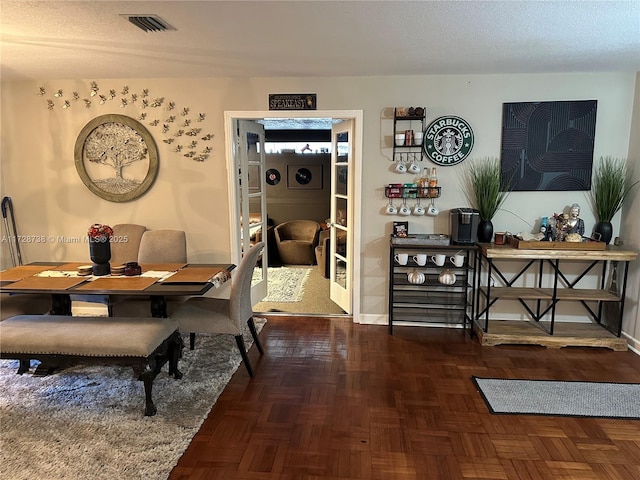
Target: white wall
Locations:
point(631, 229)
point(38, 169)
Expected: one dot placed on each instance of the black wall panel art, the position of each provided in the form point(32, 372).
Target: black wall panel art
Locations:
point(548, 146)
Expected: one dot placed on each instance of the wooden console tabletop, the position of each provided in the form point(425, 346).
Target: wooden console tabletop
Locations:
point(490, 250)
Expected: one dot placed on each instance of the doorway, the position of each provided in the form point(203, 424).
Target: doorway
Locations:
point(354, 120)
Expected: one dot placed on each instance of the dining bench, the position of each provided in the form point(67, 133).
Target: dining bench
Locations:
point(60, 341)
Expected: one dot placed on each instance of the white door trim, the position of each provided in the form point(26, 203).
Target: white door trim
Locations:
point(357, 116)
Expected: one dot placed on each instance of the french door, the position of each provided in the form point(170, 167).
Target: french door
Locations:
point(251, 204)
point(346, 172)
point(341, 251)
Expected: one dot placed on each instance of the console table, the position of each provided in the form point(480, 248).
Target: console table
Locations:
point(539, 297)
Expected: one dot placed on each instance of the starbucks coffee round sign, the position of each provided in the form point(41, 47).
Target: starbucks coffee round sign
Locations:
point(448, 140)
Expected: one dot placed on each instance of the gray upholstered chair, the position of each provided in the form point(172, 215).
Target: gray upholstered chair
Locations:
point(126, 244)
point(296, 241)
point(322, 250)
point(156, 246)
point(163, 246)
point(225, 316)
point(124, 248)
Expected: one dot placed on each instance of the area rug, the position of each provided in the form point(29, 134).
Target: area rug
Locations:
point(88, 423)
point(285, 284)
point(568, 398)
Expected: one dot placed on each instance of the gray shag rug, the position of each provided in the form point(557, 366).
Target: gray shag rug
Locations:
point(564, 398)
point(88, 422)
point(286, 284)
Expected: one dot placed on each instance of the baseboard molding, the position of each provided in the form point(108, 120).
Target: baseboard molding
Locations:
point(634, 344)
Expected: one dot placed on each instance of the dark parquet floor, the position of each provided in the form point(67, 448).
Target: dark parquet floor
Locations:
point(335, 400)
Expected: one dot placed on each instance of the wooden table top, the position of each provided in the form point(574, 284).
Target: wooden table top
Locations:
point(189, 279)
point(491, 250)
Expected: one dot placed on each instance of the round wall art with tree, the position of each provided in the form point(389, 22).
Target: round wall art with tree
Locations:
point(116, 157)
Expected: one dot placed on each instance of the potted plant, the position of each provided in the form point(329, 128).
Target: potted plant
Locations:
point(486, 192)
point(610, 185)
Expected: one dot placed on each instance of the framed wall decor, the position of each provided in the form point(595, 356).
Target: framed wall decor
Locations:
point(304, 176)
point(116, 157)
point(548, 146)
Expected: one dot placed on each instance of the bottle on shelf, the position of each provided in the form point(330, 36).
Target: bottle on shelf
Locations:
point(423, 182)
point(433, 183)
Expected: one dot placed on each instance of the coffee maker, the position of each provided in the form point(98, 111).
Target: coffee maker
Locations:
point(464, 226)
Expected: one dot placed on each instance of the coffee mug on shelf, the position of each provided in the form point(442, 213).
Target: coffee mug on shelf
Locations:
point(418, 209)
point(420, 259)
point(401, 167)
point(399, 139)
point(432, 210)
point(413, 167)
point(439, 259)
point(401, 258)
point(391, 209)
point(457, 260)
point(404, 210)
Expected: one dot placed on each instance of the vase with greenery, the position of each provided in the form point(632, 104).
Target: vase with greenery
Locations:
point(610, 185)
point(486, 192)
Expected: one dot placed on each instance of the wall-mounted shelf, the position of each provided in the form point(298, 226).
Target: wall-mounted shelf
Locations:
point(414, 123)
point(411, 191)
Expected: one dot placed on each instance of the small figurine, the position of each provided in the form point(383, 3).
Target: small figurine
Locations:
point(574, 223)
point(545, 230)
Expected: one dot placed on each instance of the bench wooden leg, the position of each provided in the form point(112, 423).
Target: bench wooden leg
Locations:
point(174, 352)
point(149, 406)
point(24, 366)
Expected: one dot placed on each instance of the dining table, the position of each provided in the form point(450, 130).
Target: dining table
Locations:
point(157, 282)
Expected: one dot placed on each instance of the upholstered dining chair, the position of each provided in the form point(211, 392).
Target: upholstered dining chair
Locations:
point(225, 316)
point(297, 240)
point(156, 246)
point(124, 248)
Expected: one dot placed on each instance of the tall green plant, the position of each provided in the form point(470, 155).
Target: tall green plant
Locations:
point(484, 188)
point(610, 185)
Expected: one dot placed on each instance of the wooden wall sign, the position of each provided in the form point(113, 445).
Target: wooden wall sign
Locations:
point(292, 101)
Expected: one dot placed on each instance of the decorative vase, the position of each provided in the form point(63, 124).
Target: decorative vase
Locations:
point(100, 253)
point(485, 231)
point(605, 229)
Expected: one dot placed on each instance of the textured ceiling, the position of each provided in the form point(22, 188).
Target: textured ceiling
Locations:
point(91, 40)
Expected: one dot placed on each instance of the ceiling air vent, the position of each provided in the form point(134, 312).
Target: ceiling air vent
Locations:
point(149, 23)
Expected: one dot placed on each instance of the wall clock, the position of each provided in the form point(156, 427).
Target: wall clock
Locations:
point(116, 157)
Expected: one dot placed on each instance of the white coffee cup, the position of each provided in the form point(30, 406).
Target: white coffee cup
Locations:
point(418, 210)
point(401, 167)
point(391, 209)
point(404, 210)
point(400, 139)
point(432, 210)
point(420, 259)
point(413, 167)
point(457, 260)
point(417, 138)
point(439, 259)
point(402, 258)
